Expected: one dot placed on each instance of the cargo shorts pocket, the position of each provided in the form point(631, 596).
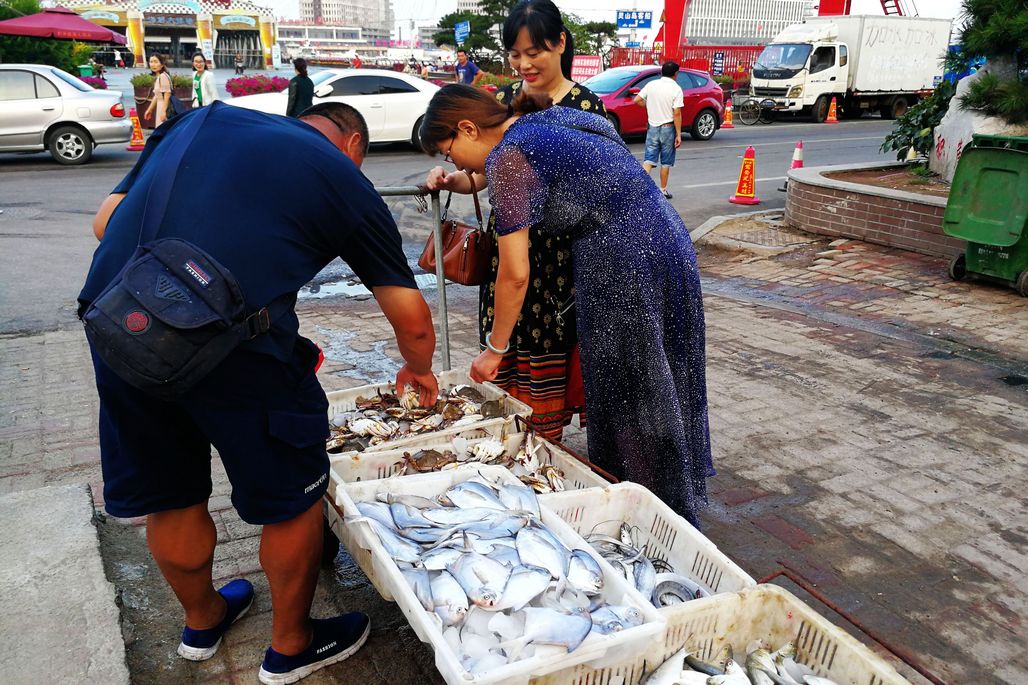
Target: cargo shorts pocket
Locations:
point(298, 430)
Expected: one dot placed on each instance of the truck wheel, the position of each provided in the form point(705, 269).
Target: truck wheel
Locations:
point(820, 109)
point(895, 109)
point(1022, 284)
point(958, 267)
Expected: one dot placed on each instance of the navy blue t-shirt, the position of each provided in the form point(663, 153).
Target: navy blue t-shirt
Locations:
point(272, 200)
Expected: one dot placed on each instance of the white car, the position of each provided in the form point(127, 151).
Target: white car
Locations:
point(392, 103)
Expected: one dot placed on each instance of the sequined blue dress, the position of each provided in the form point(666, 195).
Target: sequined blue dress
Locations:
point(638, 301)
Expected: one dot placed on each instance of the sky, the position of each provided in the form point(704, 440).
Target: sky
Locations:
point(427, 11)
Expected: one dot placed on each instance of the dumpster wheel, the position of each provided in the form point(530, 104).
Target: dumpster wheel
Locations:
point(958, 267)
point(1022, 284)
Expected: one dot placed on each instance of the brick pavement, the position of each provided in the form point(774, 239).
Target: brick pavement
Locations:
point(888, 474)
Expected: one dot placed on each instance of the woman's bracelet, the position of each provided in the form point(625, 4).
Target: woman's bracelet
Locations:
point(489, 344)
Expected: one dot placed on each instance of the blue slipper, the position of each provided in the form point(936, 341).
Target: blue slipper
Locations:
point(334, 640)
point(199, 645)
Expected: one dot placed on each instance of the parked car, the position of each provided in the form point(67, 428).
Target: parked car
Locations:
point(392, 103)
point(703, 108)
point(44, 108)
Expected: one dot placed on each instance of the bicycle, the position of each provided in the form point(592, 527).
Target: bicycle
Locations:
point(753, 110)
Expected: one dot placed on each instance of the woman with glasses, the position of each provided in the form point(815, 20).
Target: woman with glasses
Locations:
point(542, 368)
point(638, 306)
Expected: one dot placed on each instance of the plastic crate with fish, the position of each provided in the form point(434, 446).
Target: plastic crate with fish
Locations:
point(490, 622)
point(372, 418)
point(766, 614)
point(524, 454)
point(624, 519)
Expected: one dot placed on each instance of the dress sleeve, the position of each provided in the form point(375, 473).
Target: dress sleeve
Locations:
point(517, 193)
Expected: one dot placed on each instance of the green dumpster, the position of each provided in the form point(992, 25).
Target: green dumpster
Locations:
point(988, 207)
point(85, 70)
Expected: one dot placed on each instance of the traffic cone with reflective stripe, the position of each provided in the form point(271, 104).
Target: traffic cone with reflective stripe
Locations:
point(745, 191)
point(797, 163)
point(137, 143)
point(728, 115)
point(832, 114)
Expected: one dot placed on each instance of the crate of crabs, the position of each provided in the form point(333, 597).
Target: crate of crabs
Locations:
point(373, 417)
point(542, 465)
point(500, 587)
point(762, 635)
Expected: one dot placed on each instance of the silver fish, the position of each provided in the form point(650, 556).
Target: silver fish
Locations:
point(450, 602)
point(614, 619)
point(519, 498)
point(549, 627)
point(715, 668)
point(758, 663)
point(399, 548)
point(472, 493)
point(482, 578)
point(406, 516)
point(378, 511)
point(452, 516)
point(525, 584)
point(424, 536)
point(409, 500)
point(419, 581)
point(789, 666)
point(439, 559)
point(537, 549)
point(667, 673)
point(505, 555)
point(498, 528)
point(584, 573)
point(673, 588)
point(734, 675)
point(645, 576)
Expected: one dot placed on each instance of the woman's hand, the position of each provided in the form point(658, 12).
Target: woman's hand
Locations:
point(485, 366)
point(439, 179)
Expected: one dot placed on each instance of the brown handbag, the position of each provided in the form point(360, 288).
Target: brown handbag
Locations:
point(466, 249)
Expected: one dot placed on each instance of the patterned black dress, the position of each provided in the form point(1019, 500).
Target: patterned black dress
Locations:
point(542, 368)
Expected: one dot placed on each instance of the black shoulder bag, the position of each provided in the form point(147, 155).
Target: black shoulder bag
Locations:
point(173, 313)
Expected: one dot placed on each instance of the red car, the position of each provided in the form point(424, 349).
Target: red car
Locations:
point(704, 101)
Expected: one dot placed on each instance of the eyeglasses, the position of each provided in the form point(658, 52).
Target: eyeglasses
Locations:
point(446, 157)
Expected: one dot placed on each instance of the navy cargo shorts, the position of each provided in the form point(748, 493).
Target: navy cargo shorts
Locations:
point(268, 420)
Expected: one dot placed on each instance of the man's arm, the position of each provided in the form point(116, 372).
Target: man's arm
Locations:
point(678, 126)
point(103, 215)
point(411, 319)
point(478, 75)
point(640, 100)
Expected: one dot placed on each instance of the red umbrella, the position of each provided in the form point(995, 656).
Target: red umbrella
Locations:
point(59, 23)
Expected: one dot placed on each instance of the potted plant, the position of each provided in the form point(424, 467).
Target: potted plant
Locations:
point(142, 84)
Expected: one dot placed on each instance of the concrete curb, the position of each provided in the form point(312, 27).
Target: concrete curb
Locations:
point(58, 616)
point(713, 222)
point(814, 176)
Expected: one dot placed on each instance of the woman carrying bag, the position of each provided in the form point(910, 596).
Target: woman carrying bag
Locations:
point(160, 99)
point(204, 90)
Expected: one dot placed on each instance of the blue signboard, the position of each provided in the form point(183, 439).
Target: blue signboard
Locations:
point(461, 31)
point(633, 44)
point(634, 19)
point(717, 67)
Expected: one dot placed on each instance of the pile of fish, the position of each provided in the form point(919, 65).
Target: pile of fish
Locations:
point(497, 582)
point(527, 464)
point(652, 577)
point(763, 667)
point(388, 417)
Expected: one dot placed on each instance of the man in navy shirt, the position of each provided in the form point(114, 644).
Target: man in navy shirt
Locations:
point(468, 72)
point(274, 200)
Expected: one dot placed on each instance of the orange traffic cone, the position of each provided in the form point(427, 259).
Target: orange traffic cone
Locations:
point(745, 190)
point(137, 143)
point(832, 118)
point(728, 115)
point(797, 163)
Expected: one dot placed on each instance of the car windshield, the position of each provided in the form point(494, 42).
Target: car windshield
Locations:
point(320, 77)
point(610, 81)
point(781, 60)
point(71, 80)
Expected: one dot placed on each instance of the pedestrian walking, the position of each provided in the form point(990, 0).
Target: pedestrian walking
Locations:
point(262, 407)
point(160, 96)
point(663, 101)
point(542, 368)
point(467, 71)
point(301, 89)
point(118, 60)
point(204, 90)
point(637, 290)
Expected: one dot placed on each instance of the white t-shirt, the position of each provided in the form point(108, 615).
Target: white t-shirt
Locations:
point(662, 96)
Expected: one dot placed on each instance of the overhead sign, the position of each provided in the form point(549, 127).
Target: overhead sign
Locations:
point(461, 31)
point(192, 5)
point(717, 67)
point(230, 19)
point(585, 66)
point(634, 19)
point(633, 44)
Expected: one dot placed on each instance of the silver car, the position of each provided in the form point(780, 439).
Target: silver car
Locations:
point(44, 108)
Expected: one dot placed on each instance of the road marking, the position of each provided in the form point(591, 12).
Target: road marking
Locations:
point(728, 183)
point(806, 142)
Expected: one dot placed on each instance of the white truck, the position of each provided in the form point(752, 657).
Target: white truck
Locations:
point(867, 63)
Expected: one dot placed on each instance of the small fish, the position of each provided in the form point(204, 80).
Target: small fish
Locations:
point(409, 500)
point(549, 627)
point(439, 559)
point(519, 498)
point(450, 602)
point(584, 573)
point(759, 664)
point(614, 619)
point(525, 584)
point(709, 669)
point(408, 517)
point(378, 511)
point(734, 675)
point(673, 588)
point(452, 516)
point(419, 581)
point(537, 549)
point(644, 576)
point(472, 494)
point(669, 671)
point(482, 578)
point(399, 548)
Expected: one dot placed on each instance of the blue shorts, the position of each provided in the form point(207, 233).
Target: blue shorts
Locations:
point(267, 419)
point(660, 145)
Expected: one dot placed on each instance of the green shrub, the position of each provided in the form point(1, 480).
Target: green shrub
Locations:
point(915, 128)
point(997, 97)
point(497, 80)
point(145, 80)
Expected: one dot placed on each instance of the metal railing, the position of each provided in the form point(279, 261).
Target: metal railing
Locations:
point(421, 192)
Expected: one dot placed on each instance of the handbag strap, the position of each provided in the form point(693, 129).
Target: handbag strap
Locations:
point(474, 196)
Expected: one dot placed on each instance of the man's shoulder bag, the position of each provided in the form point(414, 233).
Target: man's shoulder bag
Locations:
point(173, 313)
point(466, 249)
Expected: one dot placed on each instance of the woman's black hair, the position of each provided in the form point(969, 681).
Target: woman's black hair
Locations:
point(195, 55)
point(544, 24)
point(300, 64)
point(454, 103)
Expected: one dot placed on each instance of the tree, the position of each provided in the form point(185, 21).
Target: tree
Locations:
point(998, 31)
point(62, 54)
point(479, 41)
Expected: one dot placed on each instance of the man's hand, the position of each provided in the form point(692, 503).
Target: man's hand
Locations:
point(678, 140)
point(426, 385)
point(485, 366)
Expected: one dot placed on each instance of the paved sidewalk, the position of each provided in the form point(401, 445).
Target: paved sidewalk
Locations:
point(878, 449)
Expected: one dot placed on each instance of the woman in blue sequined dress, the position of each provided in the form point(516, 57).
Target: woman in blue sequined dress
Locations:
point(638, 302)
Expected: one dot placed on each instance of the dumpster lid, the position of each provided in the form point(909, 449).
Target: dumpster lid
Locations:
point(988, 200)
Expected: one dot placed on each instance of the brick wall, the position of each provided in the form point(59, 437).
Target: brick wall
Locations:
point(815, 206)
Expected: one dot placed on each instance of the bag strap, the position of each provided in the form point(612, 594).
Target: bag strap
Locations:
point(160, 185)
point(474, 196)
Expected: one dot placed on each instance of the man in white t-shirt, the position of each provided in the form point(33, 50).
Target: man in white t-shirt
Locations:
point(663, 101)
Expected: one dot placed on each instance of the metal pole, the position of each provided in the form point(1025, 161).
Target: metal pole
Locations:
point(440, 278)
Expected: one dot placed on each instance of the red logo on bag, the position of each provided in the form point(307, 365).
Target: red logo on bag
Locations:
point(137, 322)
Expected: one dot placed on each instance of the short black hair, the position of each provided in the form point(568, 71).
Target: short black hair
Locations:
point(348, 119)
point(669, 69)
point(460, 50)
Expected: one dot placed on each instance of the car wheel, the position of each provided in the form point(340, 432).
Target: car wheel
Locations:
point(820, 110)
point(415, 136)
point(70, 145)
point(615, 123)
point(704, 126)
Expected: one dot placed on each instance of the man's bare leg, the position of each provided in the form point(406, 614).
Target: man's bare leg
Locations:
point(665, 173)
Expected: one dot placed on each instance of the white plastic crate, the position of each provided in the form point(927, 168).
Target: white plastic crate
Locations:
point(354, 467)
point(663, 534)
point(366, 549)
point(765, 612)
